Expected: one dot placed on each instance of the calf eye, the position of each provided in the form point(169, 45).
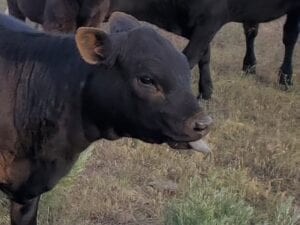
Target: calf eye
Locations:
point(146, 80)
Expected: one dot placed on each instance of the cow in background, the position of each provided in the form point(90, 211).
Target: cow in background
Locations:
point(60, 15)
point(199, 21)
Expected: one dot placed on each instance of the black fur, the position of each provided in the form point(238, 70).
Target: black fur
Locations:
point(54, 104)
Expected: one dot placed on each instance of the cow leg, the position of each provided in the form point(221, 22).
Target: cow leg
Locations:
point(250, 30)
point(205, 82)
point(290, 36)
point(24, 214)
point(14, 10)
point(197, 51)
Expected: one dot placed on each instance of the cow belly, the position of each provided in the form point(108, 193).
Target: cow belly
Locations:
point(258, 11)
point(264, 17)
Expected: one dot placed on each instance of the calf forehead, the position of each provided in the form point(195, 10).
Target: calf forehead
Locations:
point(148, 47)
point(147, 39)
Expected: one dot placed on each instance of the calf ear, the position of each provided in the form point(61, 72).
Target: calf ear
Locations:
point(122, 22)
point(94, 45)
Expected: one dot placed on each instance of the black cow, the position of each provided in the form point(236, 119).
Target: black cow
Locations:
point(59, 15)
point(57, 98)
point(199, 20)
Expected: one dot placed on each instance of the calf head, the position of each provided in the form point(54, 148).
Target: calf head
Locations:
point(147, 92)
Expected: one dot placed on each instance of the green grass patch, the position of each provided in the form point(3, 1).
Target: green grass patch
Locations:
point(222, 199)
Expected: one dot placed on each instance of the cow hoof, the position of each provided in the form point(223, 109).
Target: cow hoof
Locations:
point(285, 81)
point(249, 69)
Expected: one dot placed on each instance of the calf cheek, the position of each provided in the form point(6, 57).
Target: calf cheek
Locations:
point(147, 105)
point(181, 106)
point(146, 115)
point(178, 110)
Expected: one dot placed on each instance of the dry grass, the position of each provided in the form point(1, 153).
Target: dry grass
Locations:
point(256, 165)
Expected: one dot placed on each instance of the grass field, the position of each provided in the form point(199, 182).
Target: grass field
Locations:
point(253, 177)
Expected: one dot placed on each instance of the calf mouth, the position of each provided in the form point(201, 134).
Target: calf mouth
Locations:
point(194, 141)
point(199, 130)
point(187, 144)
point(182, 140)
point(199, 146)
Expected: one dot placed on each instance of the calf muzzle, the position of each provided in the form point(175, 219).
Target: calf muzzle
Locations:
point(197, 126)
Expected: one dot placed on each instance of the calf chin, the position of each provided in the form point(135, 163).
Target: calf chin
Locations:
point(182, 145)
point(199, 146)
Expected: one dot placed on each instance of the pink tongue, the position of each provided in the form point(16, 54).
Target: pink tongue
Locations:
point(200, 146)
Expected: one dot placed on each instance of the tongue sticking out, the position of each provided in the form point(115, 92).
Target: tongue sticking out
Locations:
point(200, 146)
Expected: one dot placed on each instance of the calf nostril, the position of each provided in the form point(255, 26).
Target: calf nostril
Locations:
point(207, 120)
point(203, 123)
point(199, 126)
